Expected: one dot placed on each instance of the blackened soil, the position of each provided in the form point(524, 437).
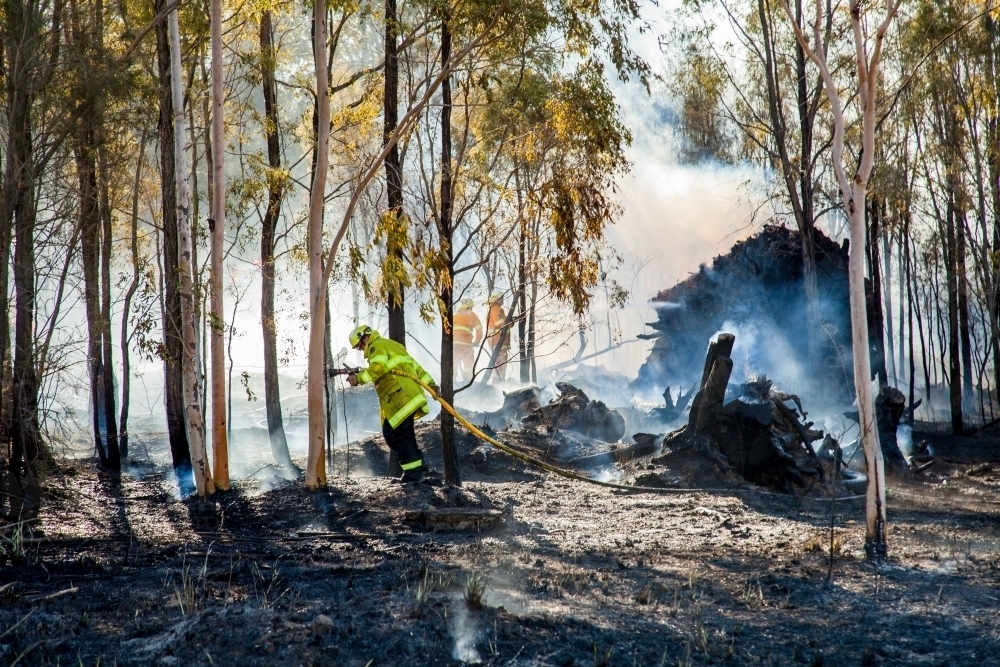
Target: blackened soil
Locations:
point(121, 572)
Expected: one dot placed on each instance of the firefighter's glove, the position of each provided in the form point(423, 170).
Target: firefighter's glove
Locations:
point(436, 389)
point(352, 379)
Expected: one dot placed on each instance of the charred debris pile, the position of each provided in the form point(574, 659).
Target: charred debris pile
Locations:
point(758, 284)
point(734, 434)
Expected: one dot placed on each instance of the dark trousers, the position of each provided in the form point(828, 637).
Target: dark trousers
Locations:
point(403, 441)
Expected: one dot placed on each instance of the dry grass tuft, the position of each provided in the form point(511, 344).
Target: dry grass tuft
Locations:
point(475, 592)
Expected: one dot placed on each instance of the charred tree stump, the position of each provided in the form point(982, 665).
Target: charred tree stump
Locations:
point(741, 435)
point(890, 406)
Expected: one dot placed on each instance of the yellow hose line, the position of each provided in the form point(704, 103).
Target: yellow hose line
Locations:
point(569, 474)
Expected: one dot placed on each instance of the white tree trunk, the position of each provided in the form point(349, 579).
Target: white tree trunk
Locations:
point(315, 463)
point(192, 410)
point(875, 502)
point(854, 191)
point(220, 444)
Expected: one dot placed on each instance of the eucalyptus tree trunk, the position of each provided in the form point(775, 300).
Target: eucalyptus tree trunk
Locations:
point(107, 346)
point(522, 299)
point(5, 386)
point(854, 189)
point(445, 233)
point(393, 168)
point(96, 117)
point(964, 318)
point(316, 380)
point(217, 228)
point(23, 23)
point(875, 219)
point(192, 409)
point(127, 306)
point(173, 348)
point(90, 245)
point(86, 44)
point(954, 349)
point(269, 224)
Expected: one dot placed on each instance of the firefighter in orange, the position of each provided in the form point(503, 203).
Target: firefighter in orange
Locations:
point(496, 330)
point(468, 332)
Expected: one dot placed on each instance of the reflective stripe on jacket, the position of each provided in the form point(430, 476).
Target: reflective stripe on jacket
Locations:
point(468, 329)
point(495, 322)
point(398, 397)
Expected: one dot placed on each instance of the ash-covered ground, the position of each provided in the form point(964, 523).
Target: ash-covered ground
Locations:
point(547, 571)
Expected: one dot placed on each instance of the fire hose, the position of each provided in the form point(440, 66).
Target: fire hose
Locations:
point(562, 472)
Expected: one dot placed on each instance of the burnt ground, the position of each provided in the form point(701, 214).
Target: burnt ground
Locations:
point(121, 572)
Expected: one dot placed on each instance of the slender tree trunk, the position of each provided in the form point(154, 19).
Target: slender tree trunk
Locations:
point(217, 228)
point(531, 327)
point(99, 133)
point(90, 250)
point(901, 298)
point(171, 303)
point(107, 363)
point(954, 348)
point(445, 232)
point(329, 390)
point(316, 468)
point(876, 541)
point(906, 273)
point(806, 218)
point(964, 324)
point(129, 295)
point(6, 387)
point(924, 358)
point(393, 168)
point(876, 318)
point(890, 354)
point(28, 447)
point(269, 225)
point(522, 288)
point(192, 408)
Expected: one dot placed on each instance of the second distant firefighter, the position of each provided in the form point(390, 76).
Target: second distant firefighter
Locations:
point(498, 333)
point(468, 332)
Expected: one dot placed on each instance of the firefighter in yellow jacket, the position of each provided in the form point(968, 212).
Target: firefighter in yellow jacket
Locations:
point(498, 333)
point(401, 399)
point(468, 333)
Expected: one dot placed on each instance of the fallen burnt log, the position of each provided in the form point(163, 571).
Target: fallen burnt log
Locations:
point(645, 444)
point(755, 435)
point(517, 405)
point(573, 411)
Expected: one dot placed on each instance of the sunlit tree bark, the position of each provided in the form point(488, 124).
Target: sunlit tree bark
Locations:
point(853, 191)
point(192, 409)
point(217, 229)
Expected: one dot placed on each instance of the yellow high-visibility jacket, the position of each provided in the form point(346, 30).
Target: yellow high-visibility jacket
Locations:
point(398, 397)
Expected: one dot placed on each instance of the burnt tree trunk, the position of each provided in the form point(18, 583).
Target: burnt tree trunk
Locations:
point(393, 168)
point(172, 345)
point(876, 317)
point(445, 232)
point(269, 225)
point(954, 347)
point(90, 248)
point(524, 363)
point(127, 306)
point(964, 325)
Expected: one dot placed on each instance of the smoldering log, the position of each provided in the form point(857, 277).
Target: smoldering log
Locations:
point(645, 444)
point(573, 411)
